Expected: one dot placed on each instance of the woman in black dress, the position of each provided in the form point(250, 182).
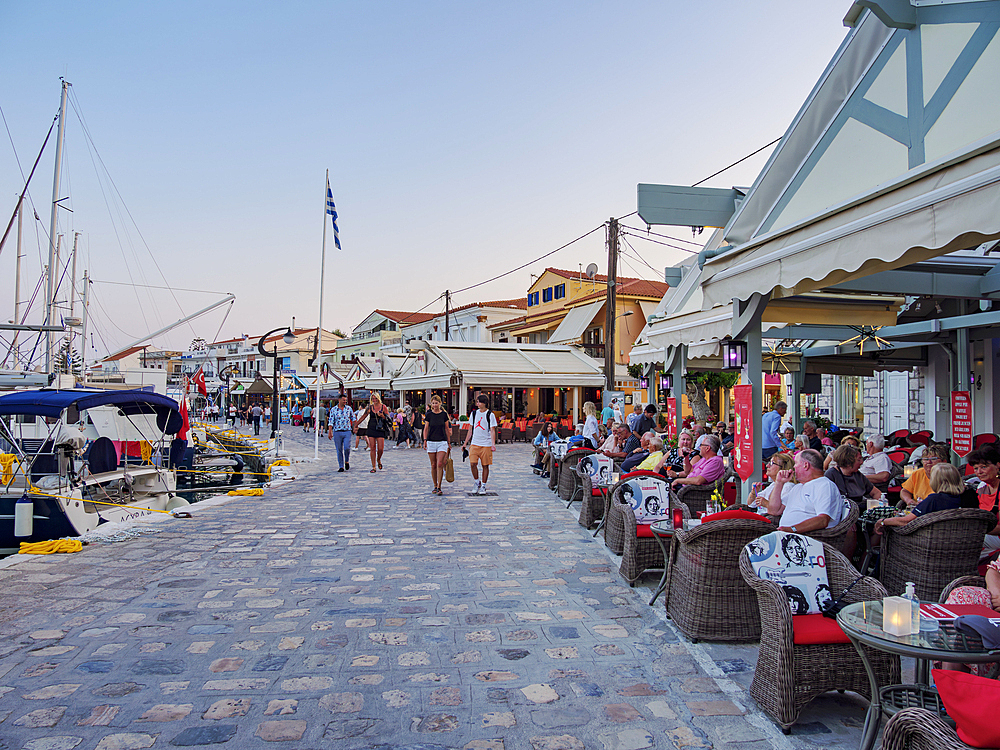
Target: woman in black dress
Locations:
point(379, 425)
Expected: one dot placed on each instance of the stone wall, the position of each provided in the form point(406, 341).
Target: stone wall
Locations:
point(871, 395)
point(918, 407)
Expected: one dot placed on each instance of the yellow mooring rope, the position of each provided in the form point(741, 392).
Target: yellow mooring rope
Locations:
point(253, 492)
point(52, 545)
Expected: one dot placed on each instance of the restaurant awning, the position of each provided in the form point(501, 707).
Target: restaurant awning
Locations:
point(893, 159)
point(575, 323)
point(496, 364)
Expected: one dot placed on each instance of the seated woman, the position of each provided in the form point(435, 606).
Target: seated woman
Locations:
point(672, 463)
point(708, 469)
point(655, 454)
point(947, 493)
point(986, 463)
point(786, 443)
point(846, 440)
point(760, 493)
point(845, 473)
point(545, 437)
point(984, 597)
point(918, 485)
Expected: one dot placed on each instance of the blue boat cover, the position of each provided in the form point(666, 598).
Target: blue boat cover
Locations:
point(52, 403)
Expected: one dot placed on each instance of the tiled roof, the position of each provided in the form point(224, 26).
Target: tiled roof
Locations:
point(633, 288)
point(406, 317)
point(511, 322)
point(601, 278)
point(519, 303)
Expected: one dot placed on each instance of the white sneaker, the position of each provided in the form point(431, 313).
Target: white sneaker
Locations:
point(479, 484)
point(481, 490)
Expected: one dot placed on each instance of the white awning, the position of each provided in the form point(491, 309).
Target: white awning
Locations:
point(648, 308)
point(575, 323)
point(646, 354)
point(947, 208)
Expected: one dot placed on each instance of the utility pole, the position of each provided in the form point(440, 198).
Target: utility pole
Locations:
point(609, 306)
point(447, 307)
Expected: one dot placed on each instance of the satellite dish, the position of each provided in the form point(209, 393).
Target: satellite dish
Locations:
point(591, 270)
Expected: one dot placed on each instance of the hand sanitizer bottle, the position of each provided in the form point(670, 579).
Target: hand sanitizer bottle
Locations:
point(911, 594)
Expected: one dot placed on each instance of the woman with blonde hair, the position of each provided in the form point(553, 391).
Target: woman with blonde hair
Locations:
point(379, 425)
point(591, 426)
point(759, 493)
point(437, 440)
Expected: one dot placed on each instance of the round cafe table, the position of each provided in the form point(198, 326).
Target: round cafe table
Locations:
point(862, 623)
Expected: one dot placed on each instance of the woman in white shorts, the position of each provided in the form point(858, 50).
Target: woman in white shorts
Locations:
point(437, 439)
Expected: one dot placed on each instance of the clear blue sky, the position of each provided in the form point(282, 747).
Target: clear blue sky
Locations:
point(462, 139)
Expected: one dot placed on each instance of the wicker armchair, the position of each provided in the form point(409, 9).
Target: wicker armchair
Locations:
point(592, 507)
point(788, 676)
point(696, 496)
point(506, 435)
point(920, 729)
point(532, 431)
point(639, 553)
point(554, 473)
point(843, 534)
point(614, 526)
point(706, 596)
point(933, 550)
point(569, 480)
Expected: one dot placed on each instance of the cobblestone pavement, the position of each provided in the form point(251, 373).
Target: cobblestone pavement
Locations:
point(357, 610)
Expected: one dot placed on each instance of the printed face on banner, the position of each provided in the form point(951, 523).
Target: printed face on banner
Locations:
point(599, 468)
point(796, 563)
point(421, 364)
point(649, 499)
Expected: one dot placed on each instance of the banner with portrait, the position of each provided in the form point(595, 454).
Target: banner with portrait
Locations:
point(648, 497)
point(797, 564)
point(599, 467)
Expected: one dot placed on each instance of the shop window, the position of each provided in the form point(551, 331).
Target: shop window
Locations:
point(560, 291)
point(547, 294)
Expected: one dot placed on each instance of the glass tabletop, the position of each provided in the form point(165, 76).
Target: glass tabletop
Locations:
point(863, 620)
point(663, 528)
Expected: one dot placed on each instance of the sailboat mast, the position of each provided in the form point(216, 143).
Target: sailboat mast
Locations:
point(51, 280)
point(17, 280)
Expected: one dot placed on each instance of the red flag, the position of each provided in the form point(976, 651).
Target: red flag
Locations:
point(199, 380)
point(182, 433)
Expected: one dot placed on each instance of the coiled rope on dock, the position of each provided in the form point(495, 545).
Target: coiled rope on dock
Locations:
point(50, 547)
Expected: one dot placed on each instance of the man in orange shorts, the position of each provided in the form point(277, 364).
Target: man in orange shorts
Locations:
point(483, 437)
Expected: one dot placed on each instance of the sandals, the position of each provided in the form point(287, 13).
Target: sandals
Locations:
point(436, 491)
point(372, 471)
point(379, 465)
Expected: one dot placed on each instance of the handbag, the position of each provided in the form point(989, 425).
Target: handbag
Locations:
point(449, 470)
point(834, 607)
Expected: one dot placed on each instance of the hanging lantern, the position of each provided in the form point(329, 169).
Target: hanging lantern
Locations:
point(644, 383)
point(666, 381)
point(734, 355)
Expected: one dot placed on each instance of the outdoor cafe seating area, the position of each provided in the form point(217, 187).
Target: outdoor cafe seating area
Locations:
point(703, 551)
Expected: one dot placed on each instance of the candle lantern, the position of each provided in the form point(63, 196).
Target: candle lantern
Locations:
point(678, 518)
point(644, 383)
point(896, 613)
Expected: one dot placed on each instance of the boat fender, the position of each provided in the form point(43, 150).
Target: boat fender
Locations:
point(24, 516)
point(176, 502)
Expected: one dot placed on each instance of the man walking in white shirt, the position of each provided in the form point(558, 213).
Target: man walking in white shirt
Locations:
point(483, 437)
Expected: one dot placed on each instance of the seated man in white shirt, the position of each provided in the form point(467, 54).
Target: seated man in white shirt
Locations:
point(877, 467)
point(813, 503)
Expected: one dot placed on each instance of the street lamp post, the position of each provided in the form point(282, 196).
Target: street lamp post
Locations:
point(224, 375)
point(288, 338)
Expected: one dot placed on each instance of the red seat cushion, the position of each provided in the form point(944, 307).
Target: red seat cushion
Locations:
point(644, 473)
point(595, 493)
point(816, 630)
point(642, 531)
point(973, 703)
point(744, 514)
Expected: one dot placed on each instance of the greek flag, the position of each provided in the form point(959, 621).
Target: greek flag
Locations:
point(331, 209)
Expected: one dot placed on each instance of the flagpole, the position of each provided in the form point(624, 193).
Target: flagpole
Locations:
point(319, 326)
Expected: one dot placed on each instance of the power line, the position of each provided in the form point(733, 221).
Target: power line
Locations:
point(754, 153)
point(664, 236)
point(530, 262)
point(665, 244)
point(636, 254)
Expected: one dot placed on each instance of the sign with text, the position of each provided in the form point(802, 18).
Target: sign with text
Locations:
point(745, 449)
point(672, 416)
point(961, 423)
